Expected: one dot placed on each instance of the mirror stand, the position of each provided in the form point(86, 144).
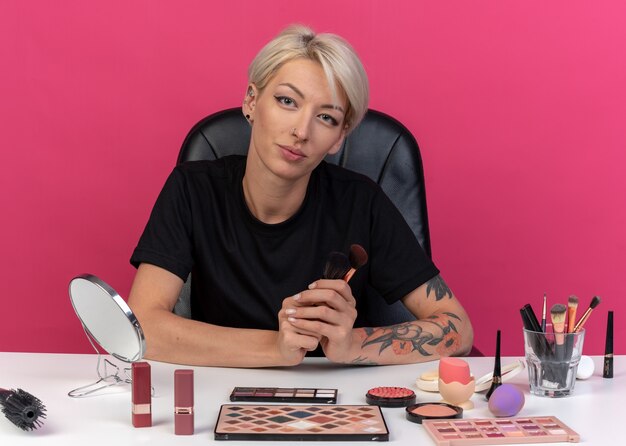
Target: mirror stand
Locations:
point(108, 322)
point(106, 378)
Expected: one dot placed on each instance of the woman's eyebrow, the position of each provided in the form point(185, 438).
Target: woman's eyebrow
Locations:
point(294, 88)
point(299, 93)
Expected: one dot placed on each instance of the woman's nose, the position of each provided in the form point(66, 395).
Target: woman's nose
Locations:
point(302, 127)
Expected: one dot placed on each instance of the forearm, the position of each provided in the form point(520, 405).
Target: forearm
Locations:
point(441, 334)
point(170, 338)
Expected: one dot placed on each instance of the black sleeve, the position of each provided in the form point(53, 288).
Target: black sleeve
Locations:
point(166, 239)
point(399, 264)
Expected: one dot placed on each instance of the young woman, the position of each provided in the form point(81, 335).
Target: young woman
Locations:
point(257, 230)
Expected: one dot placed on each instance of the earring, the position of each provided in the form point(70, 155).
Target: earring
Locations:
point(250, 92)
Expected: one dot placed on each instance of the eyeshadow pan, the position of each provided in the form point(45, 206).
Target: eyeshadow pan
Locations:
point(301, 423)
point(514, 433)
point(284, 395)
point(490, 431)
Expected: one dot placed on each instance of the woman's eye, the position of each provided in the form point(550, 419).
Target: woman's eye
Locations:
point(329, 119)
point(285, 100)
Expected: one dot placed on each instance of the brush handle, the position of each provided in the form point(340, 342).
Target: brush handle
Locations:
point(541, 346)
point(349, 275)
point(579, 325)
point(571, 319)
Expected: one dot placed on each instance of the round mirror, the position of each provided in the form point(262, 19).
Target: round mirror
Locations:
point(107, 318)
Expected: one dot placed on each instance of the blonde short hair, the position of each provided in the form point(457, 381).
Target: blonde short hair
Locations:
point(336, 56)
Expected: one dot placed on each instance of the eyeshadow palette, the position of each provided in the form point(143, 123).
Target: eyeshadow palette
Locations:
point(300, 423)
point(284, 395)
point(486, 431)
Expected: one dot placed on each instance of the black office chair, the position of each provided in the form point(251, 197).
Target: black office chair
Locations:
point(380, 147)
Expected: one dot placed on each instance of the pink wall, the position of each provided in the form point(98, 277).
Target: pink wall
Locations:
point(519, 108)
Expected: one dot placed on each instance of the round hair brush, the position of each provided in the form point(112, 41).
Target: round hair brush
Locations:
point(22, 409)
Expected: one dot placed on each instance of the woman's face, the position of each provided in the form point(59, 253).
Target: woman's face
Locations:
point(297, 97)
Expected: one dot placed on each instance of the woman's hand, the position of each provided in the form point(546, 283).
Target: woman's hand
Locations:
point(327, 310)
point(293, 343)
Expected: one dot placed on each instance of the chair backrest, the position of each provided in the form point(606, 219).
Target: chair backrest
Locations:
point(380, 147)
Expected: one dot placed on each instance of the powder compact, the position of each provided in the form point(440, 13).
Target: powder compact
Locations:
point(390, 396)
point(432, 411)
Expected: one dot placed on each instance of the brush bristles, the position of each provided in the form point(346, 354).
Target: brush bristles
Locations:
point(22, 409)
point(358, 256)
point(337, 266)
point(594, 302)
point(557, 312)
point(572, 301)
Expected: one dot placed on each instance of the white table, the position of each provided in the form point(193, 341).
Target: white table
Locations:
point(595, 410)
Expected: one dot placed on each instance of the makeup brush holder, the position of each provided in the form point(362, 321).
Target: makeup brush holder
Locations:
point(552, 361)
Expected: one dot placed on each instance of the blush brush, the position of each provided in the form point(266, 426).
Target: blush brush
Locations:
point(22, 409)
point(358, 258)
point(337, 266)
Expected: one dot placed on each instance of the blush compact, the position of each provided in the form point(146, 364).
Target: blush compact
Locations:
point(390, 396)
point(432, 411)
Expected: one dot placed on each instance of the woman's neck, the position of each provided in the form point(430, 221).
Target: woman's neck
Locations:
point(271, 199)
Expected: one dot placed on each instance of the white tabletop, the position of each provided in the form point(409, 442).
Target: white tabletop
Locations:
point(593, 411)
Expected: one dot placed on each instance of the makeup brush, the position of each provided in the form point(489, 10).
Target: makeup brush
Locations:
point(594, 303)
point(358, 258)
point(540, 344)
point(337, 266)
point(557, 314)
point(22, 409)
point(572, 306)
point(543, 313)
point(496, 381)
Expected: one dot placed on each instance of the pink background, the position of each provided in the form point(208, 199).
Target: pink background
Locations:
point(519, 108)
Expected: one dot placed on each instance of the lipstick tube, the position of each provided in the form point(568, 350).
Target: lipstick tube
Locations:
point(183, 402)
point(142, 398)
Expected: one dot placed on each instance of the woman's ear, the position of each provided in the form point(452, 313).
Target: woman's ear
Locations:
point(249, 102)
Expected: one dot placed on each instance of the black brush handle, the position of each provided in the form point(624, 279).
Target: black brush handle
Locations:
point(540, 344)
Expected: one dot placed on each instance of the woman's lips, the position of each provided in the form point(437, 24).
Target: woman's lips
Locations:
point(291, 153)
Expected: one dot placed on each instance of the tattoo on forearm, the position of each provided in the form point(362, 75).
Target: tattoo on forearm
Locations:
point(408, 337)
point(363, 361)
point(440, 288)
